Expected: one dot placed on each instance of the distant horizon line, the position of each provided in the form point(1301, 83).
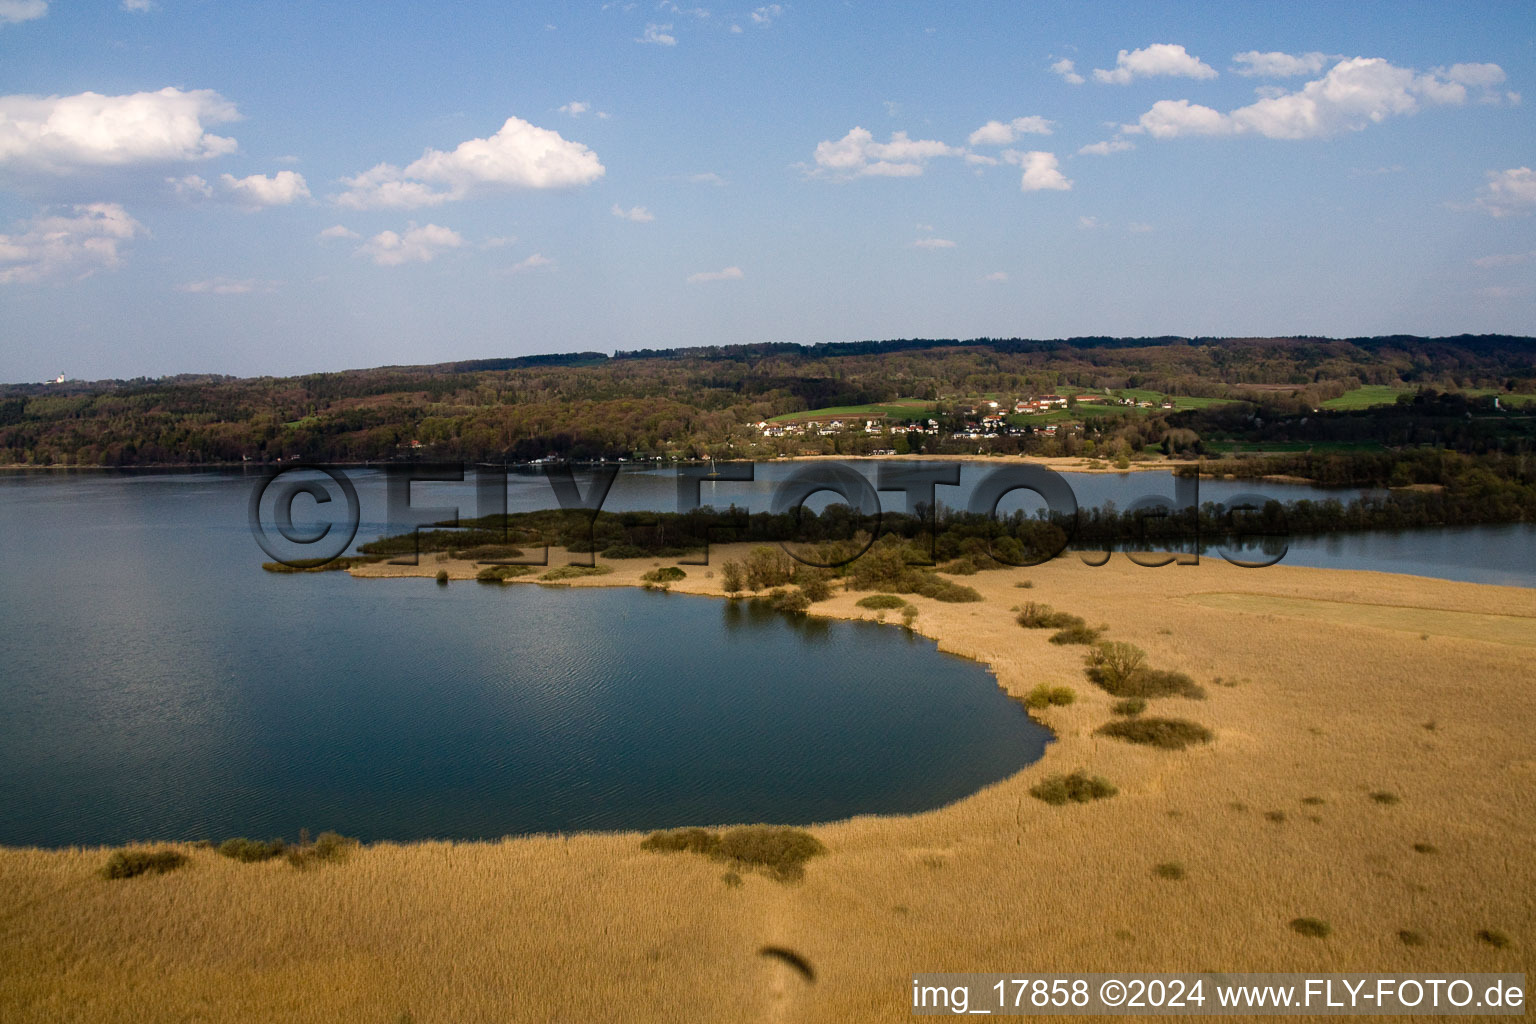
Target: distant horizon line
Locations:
point(824, 349)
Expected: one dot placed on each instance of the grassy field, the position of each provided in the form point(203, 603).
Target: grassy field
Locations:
point(1371, 772)
point(1366, 396)
point(1180, 402)
point(1519, 630)
point(902, 409)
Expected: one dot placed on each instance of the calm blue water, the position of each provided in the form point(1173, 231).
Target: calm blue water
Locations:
point(156, 683)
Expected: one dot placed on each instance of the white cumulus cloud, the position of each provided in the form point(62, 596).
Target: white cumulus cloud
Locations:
point(416, 245)
point(857, 154)
point(337, 231)
point(996, 277)
point(1353, 94)
point(72, 245)
point(14, 11)
point(661, 35)
point(1278, 65)
point(575, 108)
point(519, 155)
point(933, 243)
point(533, 262)
point(56, 135)
point(728, 274)
point(1159, 59)
point(1068, 72)
point(1042, 171)
point(1003, 133)
point(767, 15)
point(281, 189)
point(1508, 193)
point(638, 214)
point(1106, 147)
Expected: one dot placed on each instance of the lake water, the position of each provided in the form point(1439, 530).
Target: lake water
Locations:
point(158, 684)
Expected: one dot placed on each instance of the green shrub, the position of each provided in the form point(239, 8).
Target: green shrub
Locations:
point(1425, 848)
point(1046, 696)
point(768, 567)
point(963, 566)
point(733, 577)
point(1166, 733)
point(663, 576)
point(251, 850)
point(1410, 938)
point(321, 564)
point(689, 840)
point(1128, 707)
point(939, 589)
point(502, 573)
point(1034, 615)
point(1385, 798)
point(1113, 663)
point(328, 847)
point(442, 577)
point(1157, 682)
point(779, 850)
point(814, 582)
point(792, 601)
point(1025, 584)
point(627, 551)
point(1078, 634)
point(574, 572)
point(878, 602)
point(1120, 670)
point(487, 552)
point(1311, 927)
point(1078, 787)
point(908, 616)
point(1171, 870)
point(132, 863)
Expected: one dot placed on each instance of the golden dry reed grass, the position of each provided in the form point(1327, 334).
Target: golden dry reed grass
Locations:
point(1329, 705)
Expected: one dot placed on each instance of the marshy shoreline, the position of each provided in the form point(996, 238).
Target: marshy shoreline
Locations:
point(1327, 692)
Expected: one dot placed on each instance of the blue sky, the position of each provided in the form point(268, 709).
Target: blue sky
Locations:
point(279, 188)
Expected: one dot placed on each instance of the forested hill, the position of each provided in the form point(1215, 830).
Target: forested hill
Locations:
point(689, 402)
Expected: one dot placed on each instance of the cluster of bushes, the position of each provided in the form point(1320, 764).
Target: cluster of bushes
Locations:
point(1078, 787)
point(887, 566)
point(771, 569)
point(881, 602)
point(320, 564)
point(574, 572)
point(1044, 696)
point(662, 578)
point(795, 601)
point(1070, 629)
point(486, 552)
point(327, 847)
point(132, 863)
point(1121, 670)
point(502, 573)
point(1166, 733)
point(779, 850)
